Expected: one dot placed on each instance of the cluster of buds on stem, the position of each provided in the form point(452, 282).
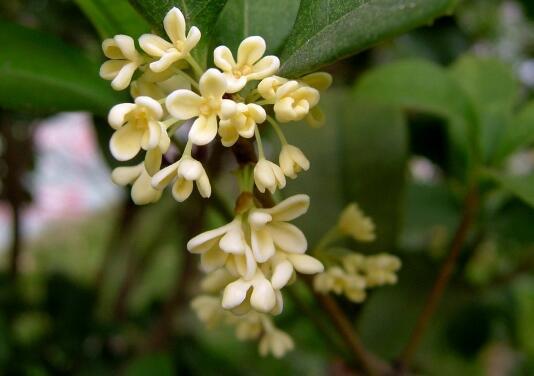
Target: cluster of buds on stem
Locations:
point(259, 252)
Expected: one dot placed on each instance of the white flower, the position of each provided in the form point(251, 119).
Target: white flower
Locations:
point(225, 246)
point(249, 66)
point(284, 266)
point(294, 100)
point(142, 192)
point(137, 126)
point(338, 281)
point(275, 342)
point(158, 85)
point(180, 46)
point(268, 175)
point(249, 326)
point(184, 172)
point(208, 310)
point(185, 104)
point(381, 269)
point(355, 223)
point(268, 87)
point(241, 123)
point(124, 61)
point(263, 297)
point(269, 228)
point(292, 160)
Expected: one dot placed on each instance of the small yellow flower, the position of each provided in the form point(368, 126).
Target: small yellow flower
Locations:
point(142, 192)
point(353, 222)
point(178, 48)
point(268, 175)
point(249, 66)
point(184, 172)
point(137, 126)
point(292, 160)
point(185, 104)
point(242, 123)
point(294, 101)
point(124, 60)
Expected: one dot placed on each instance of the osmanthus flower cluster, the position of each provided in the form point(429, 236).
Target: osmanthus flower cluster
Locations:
point(180, 107)
point(349, 273)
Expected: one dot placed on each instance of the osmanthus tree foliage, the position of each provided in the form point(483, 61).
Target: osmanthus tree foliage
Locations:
point(366, 131)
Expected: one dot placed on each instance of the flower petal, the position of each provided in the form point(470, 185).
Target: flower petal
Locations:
point(182, 189)
point(111, 68)
point(235, 293)
point(234, 240)
point(124, 77)
point(111, 49)
point(166, 60)
point(151, 105)
point(212, 259)
point(125, 143)
point(228, 133)
point(204, 186)
point(163, 177)
point(190, 169)
point(153, 161)
point(306, 264)
point(127, 46)
point(212, 84)
point(250, 50)
point(203, 130)
point(281, 274)
point(183, 104)
point(193, 37)
point(151, 135)
point(174, 24)
point(290, 208)
point(154, 45)
point(126, 175)
point(204, 241)
point(262, 244)
point(266, 67)
point(263, 298)
point(142, 192)
point(288, 237)
point(223, 59)
point(117, 114)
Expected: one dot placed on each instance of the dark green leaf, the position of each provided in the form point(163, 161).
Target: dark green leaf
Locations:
point(520, 185)
point(373, 149)
point(40, 73)
point(520, 132)
point(424, 86)
point(271, 20)
point(200, 13)
point(153, 364)
point(492, 90)
point(113, 17)
point(329, 30)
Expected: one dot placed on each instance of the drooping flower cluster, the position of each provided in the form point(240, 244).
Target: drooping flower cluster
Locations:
point(349, 273)
point(259, 252)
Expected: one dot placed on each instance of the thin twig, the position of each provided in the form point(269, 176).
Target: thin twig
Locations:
point(460, 236)
point(371, 364)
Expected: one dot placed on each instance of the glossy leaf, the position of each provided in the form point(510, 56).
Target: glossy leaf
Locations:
point(329, 30)
point(113, 17)
point(492, 90)
point(272, 20)
point(200, 13)
point(40, 73)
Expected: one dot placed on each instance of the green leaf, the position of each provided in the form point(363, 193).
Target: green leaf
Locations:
point(328, 30)
point(40, 73)
point(520, 132)
point(426, 87)
point(492, 90)
point(373, 149)
point(200, 13)
point(271, 20)
point(113, 17)
point(152, 364)
point(521, 186)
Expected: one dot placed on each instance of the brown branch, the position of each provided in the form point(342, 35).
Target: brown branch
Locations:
point(460, 236)
point(371, 364)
